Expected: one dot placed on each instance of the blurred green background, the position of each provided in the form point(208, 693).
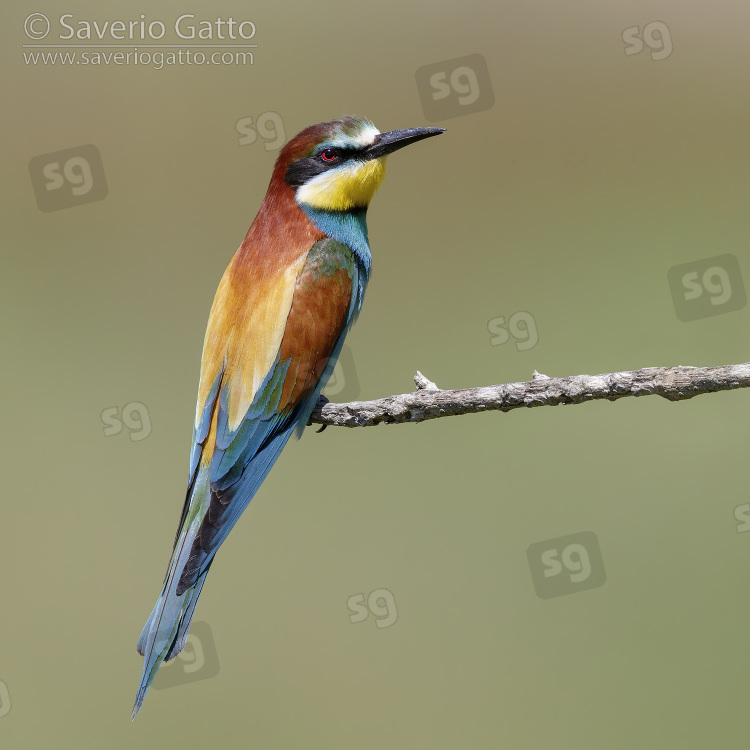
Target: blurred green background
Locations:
point(593, 174)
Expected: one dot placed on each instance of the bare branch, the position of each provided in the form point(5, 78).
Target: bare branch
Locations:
point(430, 402)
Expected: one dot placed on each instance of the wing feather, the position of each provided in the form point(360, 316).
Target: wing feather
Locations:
point(239, 454)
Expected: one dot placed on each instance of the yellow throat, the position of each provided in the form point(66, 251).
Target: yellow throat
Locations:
point(349, 186)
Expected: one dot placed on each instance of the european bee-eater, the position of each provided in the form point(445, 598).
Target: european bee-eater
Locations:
point(281, 312)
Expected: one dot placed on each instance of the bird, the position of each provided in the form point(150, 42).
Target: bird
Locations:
point(281, 312)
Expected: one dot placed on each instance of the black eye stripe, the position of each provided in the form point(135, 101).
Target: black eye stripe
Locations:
point(341, 153)
point(302, 170)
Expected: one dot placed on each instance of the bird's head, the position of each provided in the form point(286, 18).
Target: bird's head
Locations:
point(338, 165)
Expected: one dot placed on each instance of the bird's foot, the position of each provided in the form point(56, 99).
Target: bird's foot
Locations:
point(322, 401)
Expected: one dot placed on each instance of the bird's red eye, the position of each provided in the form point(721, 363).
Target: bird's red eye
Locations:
point(328, 155)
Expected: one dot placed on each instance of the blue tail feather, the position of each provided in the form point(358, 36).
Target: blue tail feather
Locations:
point(166, 629)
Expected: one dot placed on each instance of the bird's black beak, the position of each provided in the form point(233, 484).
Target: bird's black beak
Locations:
point(386, 143)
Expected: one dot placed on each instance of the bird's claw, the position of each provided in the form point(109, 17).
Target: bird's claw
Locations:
point(322, 401)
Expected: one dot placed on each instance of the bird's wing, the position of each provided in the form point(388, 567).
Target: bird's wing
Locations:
point(258, 406)
point(269, 350)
